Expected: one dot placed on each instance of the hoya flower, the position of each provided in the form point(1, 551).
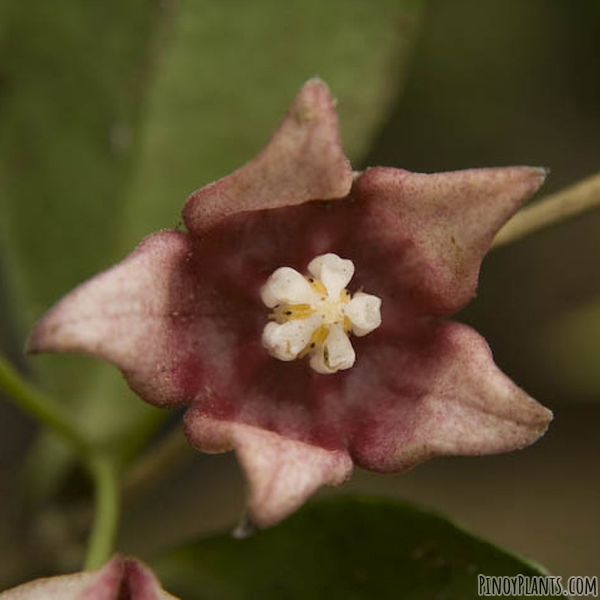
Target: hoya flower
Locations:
point(302, 315)
point(119, 579)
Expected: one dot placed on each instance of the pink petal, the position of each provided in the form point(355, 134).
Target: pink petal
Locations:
point(107, 585)
point(440, 226)
point(282, 472)
point(303, 161)
point(439, 393)
point(102, 584)
point(182, 318)
point(131, 315)
point(141, 583)
point(118, 579)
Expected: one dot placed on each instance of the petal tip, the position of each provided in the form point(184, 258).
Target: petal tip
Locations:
point(43, 336)
point(244, 529)
point(315, 94)
point(536, 421)
point(303, 161)
point(33, 344)
point(281, 472)
point(317, 84)
point(538, 175)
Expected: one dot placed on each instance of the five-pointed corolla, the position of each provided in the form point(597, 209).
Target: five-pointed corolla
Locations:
point(301, 315)
point(119, 579)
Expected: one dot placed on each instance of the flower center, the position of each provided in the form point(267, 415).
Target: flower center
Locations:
point(314, 315)
point(330, 311)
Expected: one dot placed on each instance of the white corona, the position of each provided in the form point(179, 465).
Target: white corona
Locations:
point(314, 315)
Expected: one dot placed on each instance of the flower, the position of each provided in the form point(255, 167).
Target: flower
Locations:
point(314, 315)
point(186, 316)
point(119, 579)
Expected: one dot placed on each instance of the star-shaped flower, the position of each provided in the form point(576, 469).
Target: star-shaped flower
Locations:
point(248, 316)
point(119, 579)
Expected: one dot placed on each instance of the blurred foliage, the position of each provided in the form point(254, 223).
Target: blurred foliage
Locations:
point(505, 82)
point(341, 548)
point(71, 83)
point(230, 71)
point(110, 113)
point(573, 342)
point(72, 79)
point(113, 112)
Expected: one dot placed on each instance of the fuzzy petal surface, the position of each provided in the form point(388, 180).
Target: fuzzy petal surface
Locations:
point(130, 315)
point(183, 316)
point(440, 225)
point(281, 472)
point(303, 161)
point(436, 393)
point(141, 583)
point(118, 579)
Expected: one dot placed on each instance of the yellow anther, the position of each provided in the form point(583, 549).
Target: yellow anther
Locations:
point(347, 325)
point(317, 285)
point(317, 339)
point(289, 312)
point(314, 315)
point(320, 335)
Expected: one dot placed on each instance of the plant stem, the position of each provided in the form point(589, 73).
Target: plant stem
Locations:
point(103, 471)
point(139, 435)
point(173, 449)
point(550, 210)
point(40, 406)
point(102, 468)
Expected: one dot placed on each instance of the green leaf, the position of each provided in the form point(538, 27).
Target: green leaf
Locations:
point(345, 547)
point(72, 80)
point(73, 77)
point(232, 69)
point(207, 82)
point(112, 112)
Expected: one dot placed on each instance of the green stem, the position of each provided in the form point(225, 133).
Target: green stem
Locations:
point(40, 406)
point(158, 462)
point(551, 210)
point(104, 473)
point(102, 468)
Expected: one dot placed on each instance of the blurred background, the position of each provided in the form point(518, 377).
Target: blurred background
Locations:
point(111, 113)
